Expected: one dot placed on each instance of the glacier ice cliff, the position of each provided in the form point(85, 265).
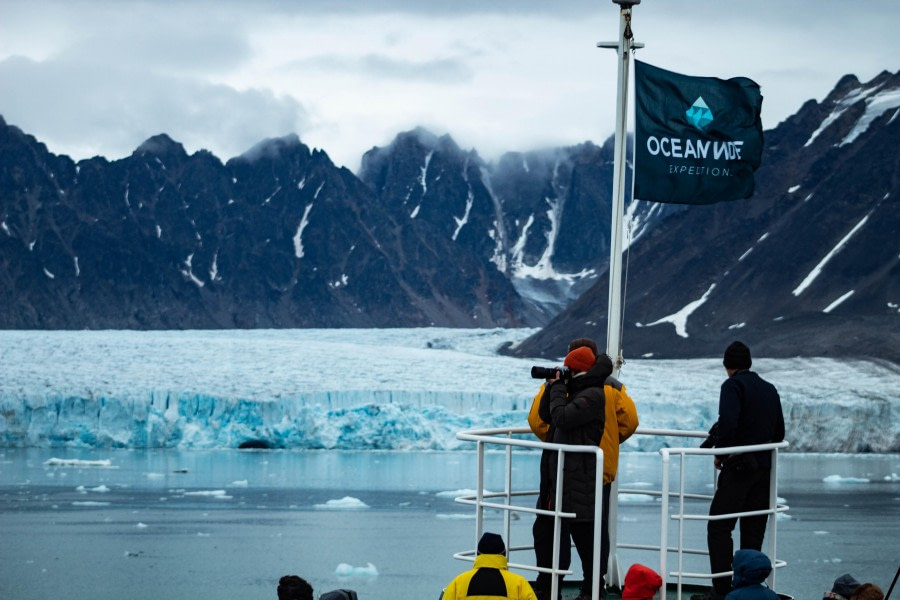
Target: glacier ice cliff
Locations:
point(375, 389)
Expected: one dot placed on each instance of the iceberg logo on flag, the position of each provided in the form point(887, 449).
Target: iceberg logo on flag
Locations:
point(699, 114)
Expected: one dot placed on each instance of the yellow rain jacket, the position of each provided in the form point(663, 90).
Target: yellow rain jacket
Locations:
point(489, 580)
point(621, 422)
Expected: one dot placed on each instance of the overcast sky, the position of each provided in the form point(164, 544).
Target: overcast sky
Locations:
point(91, 77)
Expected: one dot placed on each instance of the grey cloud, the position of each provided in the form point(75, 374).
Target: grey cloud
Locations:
point(172, 47)
point(74, 107)
point(172, 36)
point(379, 66)
point(427, 8)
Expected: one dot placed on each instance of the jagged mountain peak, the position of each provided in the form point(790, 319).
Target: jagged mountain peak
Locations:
point(274, 148)
point(161, 145)
point(420, 134)
point(424, 138)
point(411, 155)
point(413, 143)
point(851, 109)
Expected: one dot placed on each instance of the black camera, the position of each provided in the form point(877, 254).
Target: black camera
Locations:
point(712, 438)
point(550, 372)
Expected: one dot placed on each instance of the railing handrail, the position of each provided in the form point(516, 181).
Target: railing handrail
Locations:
point(488, 436)
point(727, 449)
point(481, 499)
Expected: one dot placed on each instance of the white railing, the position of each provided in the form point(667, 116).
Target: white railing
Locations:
point(503, 501)
point(480, 500)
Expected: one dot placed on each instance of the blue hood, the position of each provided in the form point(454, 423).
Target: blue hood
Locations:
point(750, 566)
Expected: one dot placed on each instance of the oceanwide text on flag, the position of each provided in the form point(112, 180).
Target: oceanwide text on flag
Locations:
point(698, 140)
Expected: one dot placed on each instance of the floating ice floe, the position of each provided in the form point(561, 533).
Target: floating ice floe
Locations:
point(345, 503)
point(100, 489)
point(841, 479)
point(74, 462)
point(345, 570)
point(210, 493)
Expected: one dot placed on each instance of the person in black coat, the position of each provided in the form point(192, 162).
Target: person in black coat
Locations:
point(749, 413)
point(575, 409)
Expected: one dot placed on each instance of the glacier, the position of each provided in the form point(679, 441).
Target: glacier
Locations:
point(382, 389)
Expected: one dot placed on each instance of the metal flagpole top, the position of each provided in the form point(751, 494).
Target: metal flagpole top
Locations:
point(632, 45)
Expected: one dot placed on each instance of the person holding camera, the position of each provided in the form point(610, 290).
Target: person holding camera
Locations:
point(620, 422)
point(749, 413)
point(573, 404)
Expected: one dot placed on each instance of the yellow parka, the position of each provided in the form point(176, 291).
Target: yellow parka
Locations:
point(621, 422)
point(489, 580)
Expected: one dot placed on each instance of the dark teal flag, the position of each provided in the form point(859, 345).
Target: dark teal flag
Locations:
point(698, 140)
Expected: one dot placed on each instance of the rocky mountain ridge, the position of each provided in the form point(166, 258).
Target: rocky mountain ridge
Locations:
point(429, 234)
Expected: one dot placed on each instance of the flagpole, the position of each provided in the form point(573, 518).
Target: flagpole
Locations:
point(614, 306)
point(623, 49)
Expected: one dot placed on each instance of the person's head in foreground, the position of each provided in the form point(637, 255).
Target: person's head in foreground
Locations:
point(292, 587)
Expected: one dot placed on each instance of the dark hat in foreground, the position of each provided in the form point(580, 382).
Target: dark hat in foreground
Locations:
point(292, 587)
point(583, 341)
point(491, 543)
point(737, 356)
point(339, 595)
point(844, 585)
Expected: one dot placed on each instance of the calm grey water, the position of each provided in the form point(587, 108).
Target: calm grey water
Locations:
point(227, 524)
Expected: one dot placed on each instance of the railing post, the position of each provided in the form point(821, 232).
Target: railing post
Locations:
point(772, 532)
point(615, 577)
point(557, 521)
point(598, 524)
point(682, 460)
point(479, 493)
point(508, 492)
point(664, 521)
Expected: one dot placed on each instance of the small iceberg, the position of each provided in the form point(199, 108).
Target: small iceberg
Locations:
point(345, 570)
point(841, 479)
point(345, 503)
point(74, 462)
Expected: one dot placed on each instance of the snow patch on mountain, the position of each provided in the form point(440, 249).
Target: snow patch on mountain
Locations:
point(878, 101)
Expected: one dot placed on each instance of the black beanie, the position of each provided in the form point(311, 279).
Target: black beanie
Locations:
point(845, 585)
point(737, 356)
point(292, 587)
point(491, 543)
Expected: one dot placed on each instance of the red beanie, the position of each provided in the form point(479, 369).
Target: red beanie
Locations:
point(641, 583)
point(580, 359)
